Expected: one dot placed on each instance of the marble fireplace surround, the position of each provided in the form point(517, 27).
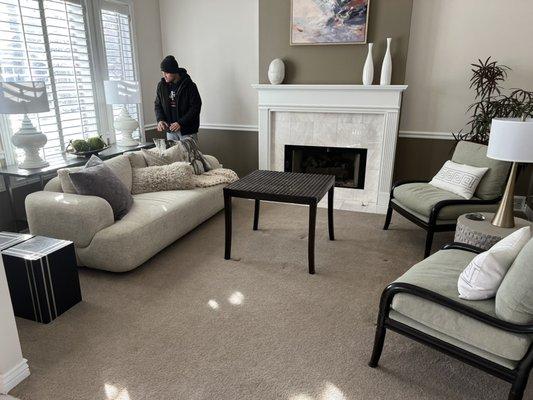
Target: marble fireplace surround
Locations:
point(353, 116)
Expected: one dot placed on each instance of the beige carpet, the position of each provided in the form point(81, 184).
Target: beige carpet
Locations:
point(190, 325)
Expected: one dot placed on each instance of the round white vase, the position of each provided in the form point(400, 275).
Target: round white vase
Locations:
point(276, 71)
point(386, 67)
point(368, 69)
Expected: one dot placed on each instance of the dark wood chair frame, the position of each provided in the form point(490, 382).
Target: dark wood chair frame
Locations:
point(431, 225)
point(518, 377)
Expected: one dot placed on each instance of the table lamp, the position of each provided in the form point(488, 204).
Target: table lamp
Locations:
point(26, 98)
point(511, 139)
point(124, 92)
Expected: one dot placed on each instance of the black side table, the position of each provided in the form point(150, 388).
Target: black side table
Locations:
point(42, 276)
point(285, 187)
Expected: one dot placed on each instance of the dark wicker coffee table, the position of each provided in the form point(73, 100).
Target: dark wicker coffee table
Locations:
point(285, 187)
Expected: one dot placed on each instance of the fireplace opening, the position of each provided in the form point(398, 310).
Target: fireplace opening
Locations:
point(347, 164)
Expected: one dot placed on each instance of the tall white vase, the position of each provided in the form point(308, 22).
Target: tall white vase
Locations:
point(368, 70)
point(386, 67)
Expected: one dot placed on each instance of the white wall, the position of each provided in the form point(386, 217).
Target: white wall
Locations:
point(446, 37)
point(148, 34)
point(217, 42)
point(13, 368)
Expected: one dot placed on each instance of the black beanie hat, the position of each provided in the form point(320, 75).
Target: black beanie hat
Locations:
point(170, 65)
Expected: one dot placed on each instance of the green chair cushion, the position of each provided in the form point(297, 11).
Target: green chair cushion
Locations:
point(493, 182)
point(439, 273)
point(514, 299)
point(421, 197)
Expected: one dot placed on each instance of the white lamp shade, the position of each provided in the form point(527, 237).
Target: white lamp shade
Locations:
point(511, 139)
point(23, 98)
point(122, 92)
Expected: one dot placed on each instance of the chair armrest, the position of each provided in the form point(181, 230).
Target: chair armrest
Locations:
point(403, 182)
point(463, 246)
point(437, 208)
point(400, 287)
point(68, 216)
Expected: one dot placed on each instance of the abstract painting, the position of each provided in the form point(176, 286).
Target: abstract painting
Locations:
point(329, 21)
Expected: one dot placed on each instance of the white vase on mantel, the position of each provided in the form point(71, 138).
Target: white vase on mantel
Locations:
point(386, 66)
point(276, 71)
point(368, 69)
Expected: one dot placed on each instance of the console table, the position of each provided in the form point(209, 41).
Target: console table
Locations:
point(67, 160)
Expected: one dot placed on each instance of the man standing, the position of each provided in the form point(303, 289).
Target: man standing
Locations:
point(177, 102)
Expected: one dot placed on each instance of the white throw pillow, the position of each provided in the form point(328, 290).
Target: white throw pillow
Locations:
point(460, 179)
point(481, 279)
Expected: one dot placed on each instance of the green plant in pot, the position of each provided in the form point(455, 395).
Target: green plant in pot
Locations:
point(92, 145)
point(487, 79)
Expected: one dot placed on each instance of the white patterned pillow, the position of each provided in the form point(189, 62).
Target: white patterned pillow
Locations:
point(460, 179)
point(483, 276)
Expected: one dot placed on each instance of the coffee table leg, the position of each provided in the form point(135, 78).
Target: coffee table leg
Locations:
point(311, 243)
point(227, 214)
point(256, 214)
point(330, 214)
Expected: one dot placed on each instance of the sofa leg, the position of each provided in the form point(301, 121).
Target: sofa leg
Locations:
point(429, 243)
point(519, 386)
point(378, 345)
point(388, 217)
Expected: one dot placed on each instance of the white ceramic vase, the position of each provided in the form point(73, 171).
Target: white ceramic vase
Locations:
point(368, 69)
point(386, 67)
point(276, 71)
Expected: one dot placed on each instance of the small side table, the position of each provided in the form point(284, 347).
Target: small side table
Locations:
point(42, 277)
point(483, 234)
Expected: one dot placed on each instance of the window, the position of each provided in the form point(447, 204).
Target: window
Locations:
point(118, 47)
point(49, 40)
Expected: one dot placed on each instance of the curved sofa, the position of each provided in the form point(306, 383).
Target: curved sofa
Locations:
point(154, 221)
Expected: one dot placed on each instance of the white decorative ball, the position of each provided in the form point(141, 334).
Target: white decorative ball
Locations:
point(276, 71)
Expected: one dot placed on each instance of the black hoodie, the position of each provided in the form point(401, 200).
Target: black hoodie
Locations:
point(188, 103)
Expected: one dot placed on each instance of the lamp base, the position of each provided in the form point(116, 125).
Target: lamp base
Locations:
point(504, 217)
point(30, 140)
point(125, 124)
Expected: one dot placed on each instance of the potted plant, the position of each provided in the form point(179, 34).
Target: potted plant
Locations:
point(491, 102)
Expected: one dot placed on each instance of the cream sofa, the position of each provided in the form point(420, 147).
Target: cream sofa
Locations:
point(154, 221)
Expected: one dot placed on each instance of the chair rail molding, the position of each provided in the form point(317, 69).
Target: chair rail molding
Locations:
point(356, 116)
point(426, 135)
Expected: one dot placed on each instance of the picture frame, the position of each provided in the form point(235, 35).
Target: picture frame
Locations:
point(328, 22)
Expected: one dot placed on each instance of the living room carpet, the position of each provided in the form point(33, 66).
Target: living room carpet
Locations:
point(190, 325)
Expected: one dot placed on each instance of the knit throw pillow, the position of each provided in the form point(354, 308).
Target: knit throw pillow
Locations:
point(175, 176)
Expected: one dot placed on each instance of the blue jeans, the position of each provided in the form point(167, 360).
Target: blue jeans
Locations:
point(178, 136)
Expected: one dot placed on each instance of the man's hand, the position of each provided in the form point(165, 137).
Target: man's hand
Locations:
point(174, 127)
point(162, 126)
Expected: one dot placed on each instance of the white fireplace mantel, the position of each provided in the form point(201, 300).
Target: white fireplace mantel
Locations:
point(379, 102)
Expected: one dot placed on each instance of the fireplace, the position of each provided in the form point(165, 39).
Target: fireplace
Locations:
point(347, 164)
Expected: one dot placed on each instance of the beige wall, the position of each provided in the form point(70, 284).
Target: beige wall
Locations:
point(148, 35)
point(446, 37)
point(216, 41)
point(333, 64)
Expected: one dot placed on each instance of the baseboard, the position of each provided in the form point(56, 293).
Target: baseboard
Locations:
point(12, 378)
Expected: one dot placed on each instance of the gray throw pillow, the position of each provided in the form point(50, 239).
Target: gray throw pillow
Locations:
point(97, 179)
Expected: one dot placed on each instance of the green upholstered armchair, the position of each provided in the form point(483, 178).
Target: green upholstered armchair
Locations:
point(437, 210)
point(423, 304)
